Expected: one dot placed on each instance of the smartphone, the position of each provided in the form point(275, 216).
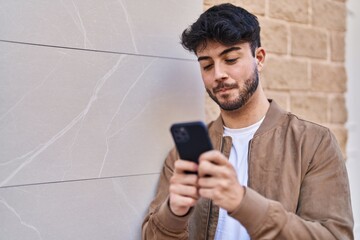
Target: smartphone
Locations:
point(191, 140)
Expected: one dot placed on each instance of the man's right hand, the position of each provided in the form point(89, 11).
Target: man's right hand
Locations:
point(183, 187)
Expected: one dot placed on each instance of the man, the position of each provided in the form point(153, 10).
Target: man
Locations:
point(272, 175)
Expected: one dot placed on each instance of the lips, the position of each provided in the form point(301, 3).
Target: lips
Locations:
point(222, 90)
point(224, 87)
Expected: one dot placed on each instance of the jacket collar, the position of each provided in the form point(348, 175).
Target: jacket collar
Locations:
point(273, 117)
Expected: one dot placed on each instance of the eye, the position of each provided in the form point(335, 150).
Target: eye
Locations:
point(207, 67)
point(231, 60)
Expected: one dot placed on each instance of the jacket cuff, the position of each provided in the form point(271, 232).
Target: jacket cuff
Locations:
point(167, 220)
point(252, 211)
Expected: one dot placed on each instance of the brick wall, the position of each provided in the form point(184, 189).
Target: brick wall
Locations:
point(305, 69)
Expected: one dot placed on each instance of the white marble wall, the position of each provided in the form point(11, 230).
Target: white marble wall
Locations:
point(88, 90)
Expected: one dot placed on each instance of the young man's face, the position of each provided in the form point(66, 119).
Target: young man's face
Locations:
point(230, 73)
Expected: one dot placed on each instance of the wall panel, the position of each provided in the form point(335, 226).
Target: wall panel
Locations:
point(88, 91)
point(79, 114)
point(93, 209)
point(128, 26)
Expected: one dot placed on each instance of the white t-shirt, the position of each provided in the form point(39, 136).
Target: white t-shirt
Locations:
point(229, 228)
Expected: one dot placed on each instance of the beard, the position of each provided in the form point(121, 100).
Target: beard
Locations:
point(244, 94)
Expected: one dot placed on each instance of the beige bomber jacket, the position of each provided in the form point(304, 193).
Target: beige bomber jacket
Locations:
point(297, 188)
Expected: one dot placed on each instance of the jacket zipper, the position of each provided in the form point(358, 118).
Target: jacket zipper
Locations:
point(248, 159)
point(210, 205)
point(208, 221)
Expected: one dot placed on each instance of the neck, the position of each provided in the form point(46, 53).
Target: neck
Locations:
point(252, 112)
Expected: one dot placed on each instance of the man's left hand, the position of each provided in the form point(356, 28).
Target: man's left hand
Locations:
point(218, 181)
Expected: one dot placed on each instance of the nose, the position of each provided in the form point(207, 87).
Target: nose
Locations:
point(219, 72)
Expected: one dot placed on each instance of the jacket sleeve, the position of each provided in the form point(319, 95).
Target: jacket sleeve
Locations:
point(160, 222)
point(324, 207)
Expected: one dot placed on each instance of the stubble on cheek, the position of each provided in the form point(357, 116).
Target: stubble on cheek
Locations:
point(230, 102)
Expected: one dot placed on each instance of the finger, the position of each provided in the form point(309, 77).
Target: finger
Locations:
point(184, 179)
point(180, 205)
point(184, 190)
point(213, 156)
point(222, 185)
point(228, 199)
point(208, 182)
point(182, 201)
point(182, 166)
point(207, 169)
point(210, 169)
point(207, 193)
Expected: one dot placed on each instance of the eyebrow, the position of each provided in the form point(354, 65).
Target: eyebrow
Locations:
point(222, 53)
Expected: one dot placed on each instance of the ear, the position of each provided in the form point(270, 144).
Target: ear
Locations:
point(260, 54)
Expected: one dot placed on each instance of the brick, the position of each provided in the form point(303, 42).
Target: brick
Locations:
point(290, 10)
point(337, 44)
point(338, 111)
point(308, 42)
point(310, 107)
point(328, 78)
point(209, 2)
point(253, 6)
point(329, 14)
point(216, 2)
point(286, 74)
point(274, 36)
point(263, 80)
point(281, 98)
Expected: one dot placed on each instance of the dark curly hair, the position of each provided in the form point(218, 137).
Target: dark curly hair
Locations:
point(224, 23)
